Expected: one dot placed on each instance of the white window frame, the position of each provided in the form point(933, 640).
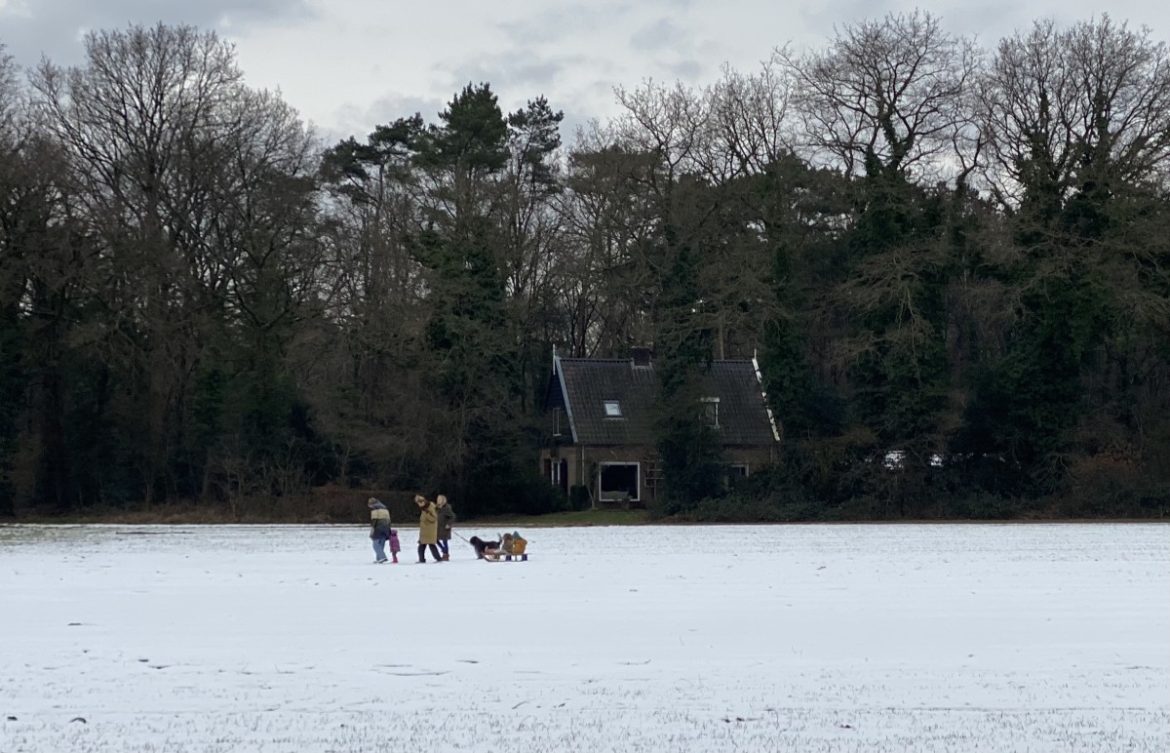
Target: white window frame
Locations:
point(601, 494)
point(613, 408)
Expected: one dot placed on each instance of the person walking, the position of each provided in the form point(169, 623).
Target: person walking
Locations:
point(428, 525)
point(379, 528)
point(446, 517)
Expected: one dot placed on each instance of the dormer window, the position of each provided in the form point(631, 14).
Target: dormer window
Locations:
point(613, 409)
point(711, 411)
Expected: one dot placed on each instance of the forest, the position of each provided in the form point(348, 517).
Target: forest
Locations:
point(951, 260)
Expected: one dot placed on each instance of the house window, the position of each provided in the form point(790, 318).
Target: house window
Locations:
point(613, 409)
point(618, 482)
point(711, 411)
point(733, 474)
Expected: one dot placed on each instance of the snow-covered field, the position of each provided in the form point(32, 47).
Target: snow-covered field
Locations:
point(762, 638)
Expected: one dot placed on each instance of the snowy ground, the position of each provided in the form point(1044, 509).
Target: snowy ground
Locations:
point(803, 638)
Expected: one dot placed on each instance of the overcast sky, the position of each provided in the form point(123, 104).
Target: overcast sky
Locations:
point(348, 65)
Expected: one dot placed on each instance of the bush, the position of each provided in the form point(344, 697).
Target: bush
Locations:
point(580, 498)
point(1111, 486)
point(985, 506)
point(737, 509)
point(525, 493)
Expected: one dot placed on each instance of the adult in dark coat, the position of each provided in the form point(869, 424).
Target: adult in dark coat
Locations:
point(379, 528)
point(428, 528)
point(446, 517)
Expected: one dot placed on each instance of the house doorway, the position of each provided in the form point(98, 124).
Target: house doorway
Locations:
point(561, 475)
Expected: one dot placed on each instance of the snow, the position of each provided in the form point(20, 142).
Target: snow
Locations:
point(960, 637)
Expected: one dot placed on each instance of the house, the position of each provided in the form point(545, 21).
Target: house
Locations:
point(602, 411)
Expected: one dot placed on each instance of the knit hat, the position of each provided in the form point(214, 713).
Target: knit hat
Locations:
point(371, 501)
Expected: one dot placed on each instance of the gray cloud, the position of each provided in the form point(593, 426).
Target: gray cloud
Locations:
point(54, 28)
point(518, 74)
point(586, 105)
point(662, 34)
point(570, 21)
point(351, 65)
point(673, 48)
point(502, 71)
point(685, 70)
point(359, 120)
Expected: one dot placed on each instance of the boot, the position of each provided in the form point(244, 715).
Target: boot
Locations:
point(446, 556)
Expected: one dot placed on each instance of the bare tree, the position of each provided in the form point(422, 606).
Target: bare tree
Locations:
point(198, 194)
point(12, 278)
point(360, 371)
point(750, 122)
point(601, 282)
point(10, 97)
point(887, 96)
point(1063, 109)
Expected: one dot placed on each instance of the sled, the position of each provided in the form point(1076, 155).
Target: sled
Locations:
point(499, 555)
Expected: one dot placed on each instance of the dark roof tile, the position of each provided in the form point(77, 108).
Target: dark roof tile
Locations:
point(589, 382)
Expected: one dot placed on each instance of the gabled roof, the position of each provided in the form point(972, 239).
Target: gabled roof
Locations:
point(582, 386)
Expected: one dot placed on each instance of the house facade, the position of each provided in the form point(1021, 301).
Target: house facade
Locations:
point(601, 416)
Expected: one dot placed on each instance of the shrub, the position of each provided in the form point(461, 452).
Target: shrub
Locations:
point(580, 498)
point(1109, 485)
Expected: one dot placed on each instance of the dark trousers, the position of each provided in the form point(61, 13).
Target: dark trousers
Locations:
point(444, 546)
point(422, 549)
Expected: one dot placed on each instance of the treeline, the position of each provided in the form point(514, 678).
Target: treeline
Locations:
point(952, 262)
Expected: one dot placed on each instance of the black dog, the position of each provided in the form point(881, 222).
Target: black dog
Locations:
point(481, 545)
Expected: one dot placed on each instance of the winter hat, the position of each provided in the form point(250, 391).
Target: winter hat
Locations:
point(371, 501)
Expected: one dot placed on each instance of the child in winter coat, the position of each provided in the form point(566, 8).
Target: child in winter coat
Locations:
point(395, 547)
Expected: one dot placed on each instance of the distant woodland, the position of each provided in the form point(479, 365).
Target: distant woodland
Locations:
point(952, 262)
